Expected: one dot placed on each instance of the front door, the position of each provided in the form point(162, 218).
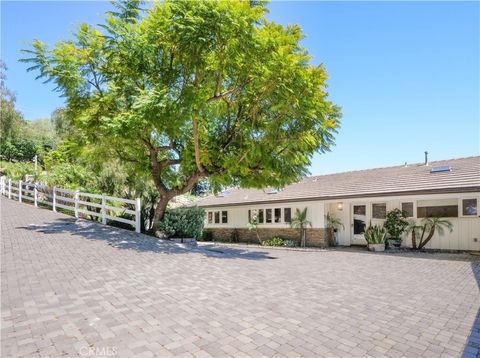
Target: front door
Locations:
point(359, 224)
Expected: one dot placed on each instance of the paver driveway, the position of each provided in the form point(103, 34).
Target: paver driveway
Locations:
point(83, 289)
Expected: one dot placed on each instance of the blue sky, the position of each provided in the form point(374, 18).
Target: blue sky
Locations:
point(407, 74)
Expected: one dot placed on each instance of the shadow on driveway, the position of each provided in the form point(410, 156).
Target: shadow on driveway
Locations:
point(124, 239)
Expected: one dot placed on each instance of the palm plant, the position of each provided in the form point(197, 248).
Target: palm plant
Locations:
point(333, 224)
point(430, 226)
point(299, 221)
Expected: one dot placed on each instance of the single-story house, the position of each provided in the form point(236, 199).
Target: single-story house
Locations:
point(447, 188)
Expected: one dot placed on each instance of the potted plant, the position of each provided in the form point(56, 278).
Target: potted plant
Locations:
point(395, 224)
point(376, 236)
point(333, 225)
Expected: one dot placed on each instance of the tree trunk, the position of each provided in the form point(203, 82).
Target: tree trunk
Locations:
point(414, 239)
point(429, 237)
point(160, 209)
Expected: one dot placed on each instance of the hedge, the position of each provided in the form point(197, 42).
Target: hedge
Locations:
point(183, 222)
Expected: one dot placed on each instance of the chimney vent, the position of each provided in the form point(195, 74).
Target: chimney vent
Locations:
point(426, 158)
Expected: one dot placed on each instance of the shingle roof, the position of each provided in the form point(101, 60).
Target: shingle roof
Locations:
point(464, 176)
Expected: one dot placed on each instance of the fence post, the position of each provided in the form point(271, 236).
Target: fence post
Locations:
point(137, 215)
point(104, 210)
point(54, 199)
point(3, 185)
point(76, 202)
point(35, 194)
point(20, 191)
point(9, 188)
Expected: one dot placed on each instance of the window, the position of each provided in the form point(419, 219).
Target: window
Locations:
point(379, 211)
point(217, 217)
point(287, 215)
point(260, 216)
point(210, 217)
point(278, 215)
point(407, 209)
point(469, 207)
point(445, 208)
point(224, 217)
point(268, 215)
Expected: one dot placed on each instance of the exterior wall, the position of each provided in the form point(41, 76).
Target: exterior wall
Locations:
point(238, 215)
point(465, 235)
point(315, 237)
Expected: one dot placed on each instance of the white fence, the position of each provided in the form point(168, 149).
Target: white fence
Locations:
point(96, 205)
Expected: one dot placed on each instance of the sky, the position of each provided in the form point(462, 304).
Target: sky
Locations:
point(406, 74)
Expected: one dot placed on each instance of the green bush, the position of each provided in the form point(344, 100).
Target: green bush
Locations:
point(207, 236)
point(276, 241)
point(289, 243)
point(183, 222)
point(235, 237)
point(395, 224)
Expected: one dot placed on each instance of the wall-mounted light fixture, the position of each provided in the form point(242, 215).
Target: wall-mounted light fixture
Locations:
point(340, 206)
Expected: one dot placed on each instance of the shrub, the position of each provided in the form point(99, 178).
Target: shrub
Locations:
point(289, 243)
point(183, 222)
point(276, 241)
point(235, 237)
point(395, 224)
point(207, 236)
point(375, 234)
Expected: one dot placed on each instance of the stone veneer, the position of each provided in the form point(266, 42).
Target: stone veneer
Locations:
point(315, 237)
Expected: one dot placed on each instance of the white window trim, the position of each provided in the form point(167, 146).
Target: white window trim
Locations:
point(414, 208)
point(376, 203)
point(460, 207)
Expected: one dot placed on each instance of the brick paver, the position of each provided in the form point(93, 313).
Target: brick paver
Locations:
point(79, 288)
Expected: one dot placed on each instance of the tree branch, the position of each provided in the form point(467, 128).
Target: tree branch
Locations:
point(196, 142)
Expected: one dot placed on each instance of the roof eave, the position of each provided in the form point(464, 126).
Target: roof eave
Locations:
point(459, 190)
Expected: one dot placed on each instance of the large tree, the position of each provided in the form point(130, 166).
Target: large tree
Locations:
point(195, 89)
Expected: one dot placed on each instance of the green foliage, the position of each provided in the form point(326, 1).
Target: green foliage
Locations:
point(18, 149)
point(333, 222)
point(300, 222)
point(289, 243)
point(375, 234)
point(71, 176)
point(395, 224)
point(17, 171)
point(193, 89)
point(10, 118)
point(235, 237)
point(252, 225)
point(276, 241)
point(20, 140)
point(207, 236)
point(183, 222)
point(427, 227)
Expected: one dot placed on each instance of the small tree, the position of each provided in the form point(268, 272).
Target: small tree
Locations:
point(253, 225)
point(299, 221)
point(333, 225)
point(428, 225)
point(395, 224)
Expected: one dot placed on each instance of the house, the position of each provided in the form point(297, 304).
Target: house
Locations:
point(447, 188)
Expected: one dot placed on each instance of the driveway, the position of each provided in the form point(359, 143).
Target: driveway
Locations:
point(73, 287)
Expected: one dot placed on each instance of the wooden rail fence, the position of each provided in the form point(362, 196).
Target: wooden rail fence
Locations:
point(79, 203)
